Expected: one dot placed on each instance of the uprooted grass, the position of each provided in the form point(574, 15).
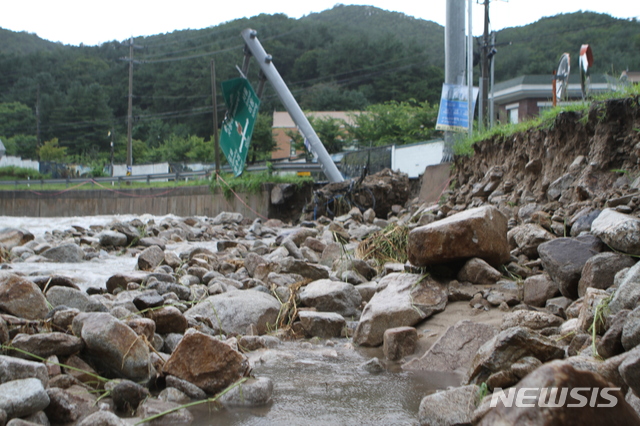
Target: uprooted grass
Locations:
point(386, 245)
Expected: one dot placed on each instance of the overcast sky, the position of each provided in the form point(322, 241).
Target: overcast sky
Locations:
point(91, 22)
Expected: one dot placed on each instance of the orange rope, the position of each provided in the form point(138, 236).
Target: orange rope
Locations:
point(239, 198)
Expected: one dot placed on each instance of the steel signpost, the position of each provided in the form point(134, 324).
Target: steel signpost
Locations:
point(237, 127)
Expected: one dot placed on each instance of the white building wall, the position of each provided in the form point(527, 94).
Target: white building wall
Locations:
point(413, 159)
point(7, 161)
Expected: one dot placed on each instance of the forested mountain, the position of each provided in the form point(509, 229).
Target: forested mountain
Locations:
point(346, 58)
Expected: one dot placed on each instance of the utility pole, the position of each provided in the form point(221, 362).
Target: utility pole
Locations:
point(484, 64)
point(38, 115)
point(470, 66)
point(271, 73)
point(214, 102)
point(454, 49)
point(130, 108)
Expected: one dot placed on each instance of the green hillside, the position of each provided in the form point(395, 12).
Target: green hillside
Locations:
point(345, 58)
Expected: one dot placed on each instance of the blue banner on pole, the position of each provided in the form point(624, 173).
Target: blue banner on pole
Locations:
point(453, 115)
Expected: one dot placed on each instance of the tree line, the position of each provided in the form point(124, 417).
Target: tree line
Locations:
point(70, 102)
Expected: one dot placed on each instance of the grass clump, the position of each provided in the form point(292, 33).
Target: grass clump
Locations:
point(546, 119)
point(252, 182)
point(14, 172)
point(386, 245)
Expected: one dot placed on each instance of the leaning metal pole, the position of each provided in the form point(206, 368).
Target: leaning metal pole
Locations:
point(289, 102)
point(454, 53)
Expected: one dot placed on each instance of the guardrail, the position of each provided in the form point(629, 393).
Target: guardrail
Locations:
point(185, 175)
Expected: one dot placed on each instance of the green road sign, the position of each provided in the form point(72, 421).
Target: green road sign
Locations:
point(237, 127)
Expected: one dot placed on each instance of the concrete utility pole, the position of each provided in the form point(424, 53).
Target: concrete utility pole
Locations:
point(130, 108)
point(470, 67)
point(271, 73)
point(454, 49)
point(214, 103)
point(484, 65)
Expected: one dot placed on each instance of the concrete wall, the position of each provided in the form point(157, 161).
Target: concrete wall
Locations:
point(412, 159)
point(182, 201)
point(6, 161)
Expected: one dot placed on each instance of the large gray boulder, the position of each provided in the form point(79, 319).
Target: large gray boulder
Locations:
point(12, 368)
point(234, 311)
point(528, 237)
point(564, 258)
point(600, 270)
point(561, 375)
point(66, 253)
point(627, 295)
point(331, 296)
point(405, 300)
point(21, 297)
point(618, 230)
point(455, 349)
point(450, 407)
point(23, 397)
point(479, 232)
point(507, 347)
point(114, 346)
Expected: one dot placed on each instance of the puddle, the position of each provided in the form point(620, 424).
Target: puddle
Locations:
point(324, 386)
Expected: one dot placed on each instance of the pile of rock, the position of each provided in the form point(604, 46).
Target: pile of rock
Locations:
point(183, 323)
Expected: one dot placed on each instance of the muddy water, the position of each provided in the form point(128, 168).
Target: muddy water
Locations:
point(315, 384)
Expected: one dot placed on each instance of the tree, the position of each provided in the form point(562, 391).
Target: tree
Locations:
point(16, 118)
point(51, 151)
point(262, 141)
point(394, 123)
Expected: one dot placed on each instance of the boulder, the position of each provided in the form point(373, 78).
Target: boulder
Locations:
point(479, 232)
point(477, 271)
point(538, 289)
point(112, 239)
point(322, 324)
point(627, 295)
point(455, 348)
point(405, 300)
point(21, 297)
point(150, 258)
point(226, 218)
point(528, 237)
point(74, 299)
point(630, 337)
point(630, 370)
point(618, 230)
point(331, 296)
point(559, 375)
point(610, 344)
point(14, 237)
point(206, 362)
point(46, 344)
point(600, 270)
point(289, 265)
point(399, 342)
point(234, 311)
point(251, 393)
point(23, 397)
point(450, 407)
point(69, 405)
point(66, 253)
point(114, 346)
point(168, 319)
point(12, 368)
point(564, 258)
point(534, 320)
point(507, 347)
point(175, 416)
